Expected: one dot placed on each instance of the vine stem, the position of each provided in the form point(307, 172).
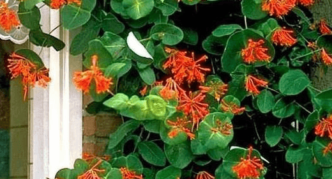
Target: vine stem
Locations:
point(146, 39)
point(272, 90)
point(315, 88)
point(310, 53)
point(259, 138)
point(55, 28)
point(302, 107)
point(245, 22)
point(139, 139)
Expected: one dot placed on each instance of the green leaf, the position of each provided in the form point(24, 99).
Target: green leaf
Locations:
point(121, 132)
point(152, 153)
point(63, 173)
point(96, 47)
point(29, 4)
point(283, 110)
point(167, 7)
point(39, 38)
point(190, 36)
point(32, 56)
point(295, 136)
point(167, 33)
point(273, 135)
point(168, 173)
point(191, 2)
point(325, 42)
point(236, 87)
point(324, 100)
point(232, 55)
point(137, 9)
point(217, 153)
point(152, 126)
point(253, 9)
point(179, 155)
point(114, 69)
point(269, 26)
point(147, 75)
point(265, 101)
point(114, 173)
point(114, 44)
point(119, 101)
point(197, 147)
point(29, 17)
point(157, 105)
point(214, 45)
point(80, 43)
point(295, 154)
point(209, 132)
point(112, 24)
point(311, 121)
point(73, 16)
point(130, 162)
point(293, 82)
point(224, 30)
point(324, 160)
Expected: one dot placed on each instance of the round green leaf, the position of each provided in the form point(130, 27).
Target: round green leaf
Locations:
point(118, 101)
point(130, 162)
point(121, 132)
point(29, 17)
point(253, 9)
point(32, 56)
point(224, 30)
point(282, 109)
point(179, 155)
point(325, 160)
point(197, 147)
point(73, 16)
point(311, 121)
point(295, 154)
point(152, 153)
point(238, 41)
point(168, 173)
point(273, 135)
point(214, 45)
point(112, 24)
point(147, 75)
point(157, 105)
point(324, 100)
point(265, 101)
point(29, 4)
point(96, 47)
point(114, 173)
point(167, 7)
point(167, 33)
point(293, 82)
point(137, 9)
point(209, 132)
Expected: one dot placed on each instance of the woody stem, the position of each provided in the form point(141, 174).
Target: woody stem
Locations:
point(310, 53)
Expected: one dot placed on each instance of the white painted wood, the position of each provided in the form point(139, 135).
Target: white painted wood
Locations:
point(56, 112)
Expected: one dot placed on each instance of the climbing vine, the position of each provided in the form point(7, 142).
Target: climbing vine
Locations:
point(205, 89)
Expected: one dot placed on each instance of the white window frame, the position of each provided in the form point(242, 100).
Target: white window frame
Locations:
point(55, 126)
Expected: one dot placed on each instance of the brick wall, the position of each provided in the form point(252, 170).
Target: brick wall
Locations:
point(96, 129)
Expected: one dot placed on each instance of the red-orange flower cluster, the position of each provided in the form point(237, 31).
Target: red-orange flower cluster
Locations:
point(194, 106)
point(180, 125)
point(324, 127)
point(326, 58)
point(127, 174)
point(255, 52)
point(328, 148)
point(204, 175)
point(171, 90)
point(20, 66)
point(224, 128)
point(306, 2)
point(8, 17)
point(249, 167)
point(252, 83)
point(231, 107)
point(92, 173)
point(283, 37)
point(57, 4)
point(324, 28)
point(185, 68)
point(278, 8)
point(217, 89)
point(82, 80)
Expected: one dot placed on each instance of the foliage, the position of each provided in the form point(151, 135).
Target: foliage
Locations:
point(187, 115)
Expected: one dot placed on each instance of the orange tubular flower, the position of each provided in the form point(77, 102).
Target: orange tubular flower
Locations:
point(82, 80)
point(127, 174)
point(193, 105)
point(249, 167)
point(252, 83)
point(204, 175)
point(231, 107)
point(184, 67)
point(143, 91)
point(224, 128)
point(180, 125)
point(328, 148)
point(255, 52)
point(306, 2)
point(283, 37)
point(327, 60)
point(8, 17)
point(171, 90)
point(278, 8)
point(57, 4)
point(218, 89)
point(323, 28)
point(324, 127)
point(92, 173)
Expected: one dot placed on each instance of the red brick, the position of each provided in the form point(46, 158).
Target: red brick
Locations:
point(89, 148)
point(100, 148)
point(89, 125)
point(106, 124)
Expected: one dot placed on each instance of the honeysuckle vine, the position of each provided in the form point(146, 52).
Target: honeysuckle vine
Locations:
point(235, 102)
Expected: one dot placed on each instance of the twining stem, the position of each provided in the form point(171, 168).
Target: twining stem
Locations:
point(310, 53)
point(139, 139)
point(315, 88)
point(147, 137)
point(245, 22)
point(146, 39)
point(259, 138)
point(55, 28)
point(272, 90)
point(302, 107)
